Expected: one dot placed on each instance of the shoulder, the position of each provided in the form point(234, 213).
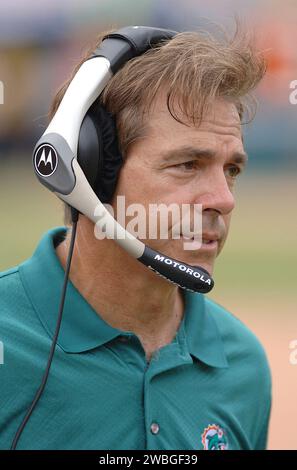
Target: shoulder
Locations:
point(19, 323)
point(10, 289)
point(8, 273)
point(249, 373)
point(21, 334)
point(233, 330)
point(12, 292)
point(14, 305)
point(241, 345)
point(22, 350)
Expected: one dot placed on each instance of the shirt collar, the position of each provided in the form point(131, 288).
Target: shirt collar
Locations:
point(82, 328)
point(203, 336)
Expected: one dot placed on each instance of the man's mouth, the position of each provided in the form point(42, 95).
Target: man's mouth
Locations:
point(205, 238)
point(208, 240)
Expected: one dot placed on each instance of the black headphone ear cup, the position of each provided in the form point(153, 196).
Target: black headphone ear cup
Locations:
point(88, 148)
point(98, 152)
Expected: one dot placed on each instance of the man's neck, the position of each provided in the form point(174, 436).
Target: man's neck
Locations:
point(125, 293)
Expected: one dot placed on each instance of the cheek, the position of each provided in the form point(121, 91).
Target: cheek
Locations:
point(141, 186)
point(131, 200)
point(128, 187)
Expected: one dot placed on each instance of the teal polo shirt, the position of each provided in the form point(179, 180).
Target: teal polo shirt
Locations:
point(210, 388)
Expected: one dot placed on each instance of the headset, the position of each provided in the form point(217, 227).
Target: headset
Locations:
point(78, 159)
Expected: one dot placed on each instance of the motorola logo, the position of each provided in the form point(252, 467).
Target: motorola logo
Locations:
point(45, 160)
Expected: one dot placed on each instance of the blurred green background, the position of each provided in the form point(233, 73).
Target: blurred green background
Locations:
point(255, 275)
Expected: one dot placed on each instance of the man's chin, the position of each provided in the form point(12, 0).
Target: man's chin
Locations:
point(202, 262)
point(207, 266)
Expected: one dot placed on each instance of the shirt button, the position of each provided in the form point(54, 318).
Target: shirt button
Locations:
point(155, 428)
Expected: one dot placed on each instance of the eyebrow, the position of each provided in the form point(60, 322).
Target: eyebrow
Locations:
point(196, 153)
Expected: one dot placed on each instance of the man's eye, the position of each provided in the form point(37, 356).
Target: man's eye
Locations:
point(234, 171)
point(189, 165)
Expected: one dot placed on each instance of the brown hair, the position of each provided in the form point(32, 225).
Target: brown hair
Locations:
point(194, 67)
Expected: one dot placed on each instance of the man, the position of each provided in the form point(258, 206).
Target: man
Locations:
point(140, 363)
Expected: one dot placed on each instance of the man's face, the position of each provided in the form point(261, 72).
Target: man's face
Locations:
point(178, 164)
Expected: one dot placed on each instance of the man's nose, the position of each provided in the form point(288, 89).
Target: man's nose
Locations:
point(218, 194)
